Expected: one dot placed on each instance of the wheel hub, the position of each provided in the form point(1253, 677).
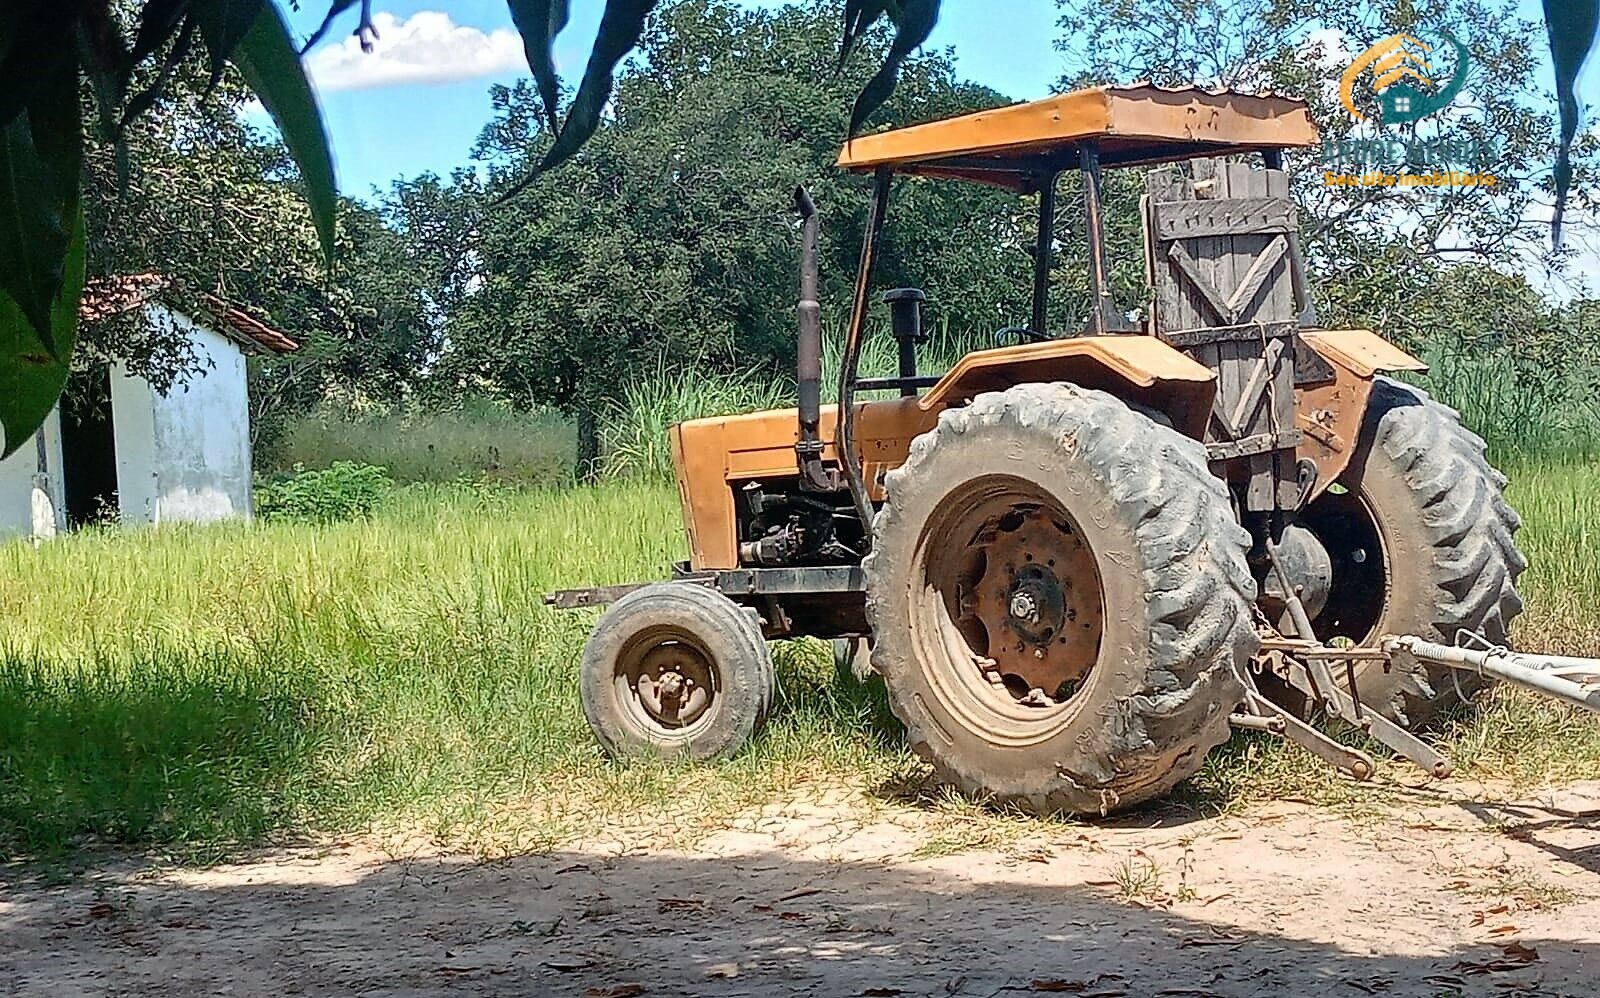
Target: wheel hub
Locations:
point(1038, 601)
point(672, 683)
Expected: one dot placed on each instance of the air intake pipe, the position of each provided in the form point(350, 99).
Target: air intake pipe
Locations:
point(814, 475)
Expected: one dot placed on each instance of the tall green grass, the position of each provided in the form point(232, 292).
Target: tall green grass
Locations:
point(201, 687)
point(198, 688)
point(477, 441)
point(634, 426)
point(1518, 413)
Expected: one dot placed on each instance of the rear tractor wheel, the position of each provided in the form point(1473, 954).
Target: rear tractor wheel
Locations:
point(1420, 541)
point(1060, 601)
point(676, 670)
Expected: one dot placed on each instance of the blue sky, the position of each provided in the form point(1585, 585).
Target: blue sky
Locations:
point(392, 117)
point(381, 133)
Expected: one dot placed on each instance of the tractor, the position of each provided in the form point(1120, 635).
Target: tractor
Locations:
point(1080, 558)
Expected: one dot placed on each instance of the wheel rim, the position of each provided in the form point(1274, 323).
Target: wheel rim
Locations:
point(668, 683)
point(1007, 609)
point(1359, 595)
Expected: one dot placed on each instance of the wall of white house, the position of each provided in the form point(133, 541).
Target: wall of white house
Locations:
point(25, 509)
point(185, 456)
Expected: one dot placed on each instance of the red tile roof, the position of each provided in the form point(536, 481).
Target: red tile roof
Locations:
point(108, 297)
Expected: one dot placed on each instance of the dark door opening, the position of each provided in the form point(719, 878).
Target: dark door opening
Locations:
point(89, 450)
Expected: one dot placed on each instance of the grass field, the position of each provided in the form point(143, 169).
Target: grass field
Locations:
point(195, 689)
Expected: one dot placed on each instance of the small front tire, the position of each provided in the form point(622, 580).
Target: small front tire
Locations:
point(676, 670)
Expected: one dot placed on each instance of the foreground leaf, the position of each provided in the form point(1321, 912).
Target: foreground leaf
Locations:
point(271, 66)
point(914, 21)
point(335, 8)
point(539, 21)
point(1571, 25)
point(223, 24)
point(33, 374)
point(41, 155)
point(620, 28)
point(859, 15)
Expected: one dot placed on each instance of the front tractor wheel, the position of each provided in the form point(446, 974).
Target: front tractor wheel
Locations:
point(676, 670)
point(1060, 601)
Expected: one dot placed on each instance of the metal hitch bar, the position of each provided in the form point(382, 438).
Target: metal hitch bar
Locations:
point(1575, 680)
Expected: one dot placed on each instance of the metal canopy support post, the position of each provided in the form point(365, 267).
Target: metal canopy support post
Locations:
point(1095, 232)
point(882, 182)
point(1043, 255)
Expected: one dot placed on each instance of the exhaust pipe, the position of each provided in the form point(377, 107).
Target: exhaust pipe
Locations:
point(814, 476)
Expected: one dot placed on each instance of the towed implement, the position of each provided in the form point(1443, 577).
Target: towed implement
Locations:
point(1080, 557)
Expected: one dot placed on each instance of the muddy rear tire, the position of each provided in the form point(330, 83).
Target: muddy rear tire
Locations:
point(1422, 542)
point(1049, 533)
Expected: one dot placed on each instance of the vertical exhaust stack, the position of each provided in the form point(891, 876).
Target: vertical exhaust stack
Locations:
point(814, 476)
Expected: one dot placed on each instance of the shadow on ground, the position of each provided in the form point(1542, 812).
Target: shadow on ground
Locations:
point(346, 921)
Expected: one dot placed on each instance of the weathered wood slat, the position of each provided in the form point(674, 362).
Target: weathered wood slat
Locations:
point(1254, 278)
point(1264, 443)
point(1236, 216)
point(1249, 332)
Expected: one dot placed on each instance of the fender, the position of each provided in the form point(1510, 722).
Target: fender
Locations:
point(1329, 414)
point(1137, 368)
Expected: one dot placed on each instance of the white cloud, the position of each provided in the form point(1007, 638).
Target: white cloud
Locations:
point(426, 47)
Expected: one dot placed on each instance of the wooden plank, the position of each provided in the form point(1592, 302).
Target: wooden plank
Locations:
point(1252, 332)
point(1198, 280)
point(1250, 396)
point(1264, 443)
point(1255, 278)
point(1235, 216)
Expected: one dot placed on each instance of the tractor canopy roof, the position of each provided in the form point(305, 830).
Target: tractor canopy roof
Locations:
point(1019, 146)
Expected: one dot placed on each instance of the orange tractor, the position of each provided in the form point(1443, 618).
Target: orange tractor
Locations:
point(1080, 558)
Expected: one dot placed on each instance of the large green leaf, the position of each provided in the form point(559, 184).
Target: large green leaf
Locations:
point(539, 21)
point(33, 238)
point(859, 15)
point(1572, 25)
point(620, 28)
point(32, 373)
point(913, 21)
point(41, 154)
point(223, 24)
point(36, 42)
point(271, 67)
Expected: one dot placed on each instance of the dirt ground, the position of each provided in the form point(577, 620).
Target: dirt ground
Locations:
point(1440, 894)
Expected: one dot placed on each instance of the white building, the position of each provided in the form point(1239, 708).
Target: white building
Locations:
point(141, 455)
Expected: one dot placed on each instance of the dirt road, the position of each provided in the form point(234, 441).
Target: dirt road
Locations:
point(1430, 898)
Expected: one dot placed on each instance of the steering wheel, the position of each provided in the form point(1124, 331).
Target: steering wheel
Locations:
point(1018, 335)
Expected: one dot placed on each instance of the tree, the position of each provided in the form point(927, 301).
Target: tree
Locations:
point(1378, 251)
point(47, 47)
point(672, 236)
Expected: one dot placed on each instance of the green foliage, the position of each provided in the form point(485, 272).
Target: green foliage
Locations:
point(342, 491)
point(478, 442)
point(671, 238)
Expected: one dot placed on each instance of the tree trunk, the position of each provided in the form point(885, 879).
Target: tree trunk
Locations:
point(588, 469)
